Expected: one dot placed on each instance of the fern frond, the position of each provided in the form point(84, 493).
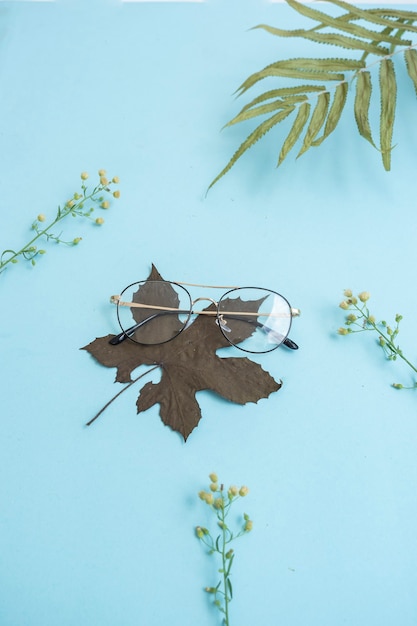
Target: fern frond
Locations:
point(317, 120)
point(284, 92)
point(361, 106)
point(371, 15)
point(296, 130)
point(388, 88)
point(378, 32)
point(326, 69)
point(264, 109)
point(345, 25)
point(338, 104)
point(332, 39)
point(250, 141)
point(400, 14)
point(410, 57)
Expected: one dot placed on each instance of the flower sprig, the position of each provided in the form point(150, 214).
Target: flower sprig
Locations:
point(81, 204)
point(360, 320)
point(220, 502)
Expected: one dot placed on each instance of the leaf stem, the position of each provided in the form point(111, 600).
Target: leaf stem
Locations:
point(132, 382)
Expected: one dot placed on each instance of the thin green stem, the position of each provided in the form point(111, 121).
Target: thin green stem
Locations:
point(39, 234)
point(224, 567)
point(394, 349)
point(29, 250)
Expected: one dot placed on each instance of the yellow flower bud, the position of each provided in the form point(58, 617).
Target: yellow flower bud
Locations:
point(206, 497)
point(397, 385)
point(41, 217)
point(199, 532)
point(364, 296)
point(99, 221)
point(115, 180)
point(76, 241)
point(84, 175)
point(233, 491)
point(344, 305)
point(102, 172)
point(248, 525)
point(214, 486)
point(243, 491)
point(348, 293)
point(116, 193)
point(213, 477)
point(103, 180)
point(105, 205)
point(343, 331)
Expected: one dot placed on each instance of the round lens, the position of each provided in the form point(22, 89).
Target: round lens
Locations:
point(153, 311)
point(254, 319)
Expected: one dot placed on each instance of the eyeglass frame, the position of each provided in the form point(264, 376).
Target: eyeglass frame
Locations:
point(115, 299)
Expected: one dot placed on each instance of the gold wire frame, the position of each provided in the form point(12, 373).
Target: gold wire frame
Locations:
point(116, 300)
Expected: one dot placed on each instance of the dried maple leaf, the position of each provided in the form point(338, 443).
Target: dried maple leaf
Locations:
point(189, 364)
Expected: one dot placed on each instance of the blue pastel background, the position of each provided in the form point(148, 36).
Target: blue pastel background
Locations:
point(97, 525)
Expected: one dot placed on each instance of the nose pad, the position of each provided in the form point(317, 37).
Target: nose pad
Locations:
point(220, 321)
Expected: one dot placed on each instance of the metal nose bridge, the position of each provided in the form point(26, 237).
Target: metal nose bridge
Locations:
point(204, 298)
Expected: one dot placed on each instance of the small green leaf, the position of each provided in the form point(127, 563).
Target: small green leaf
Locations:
point(361, 106)
point(388, 87)
point(317, 120)
point(410, 56)
point(229, 586)
point(296, 130)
